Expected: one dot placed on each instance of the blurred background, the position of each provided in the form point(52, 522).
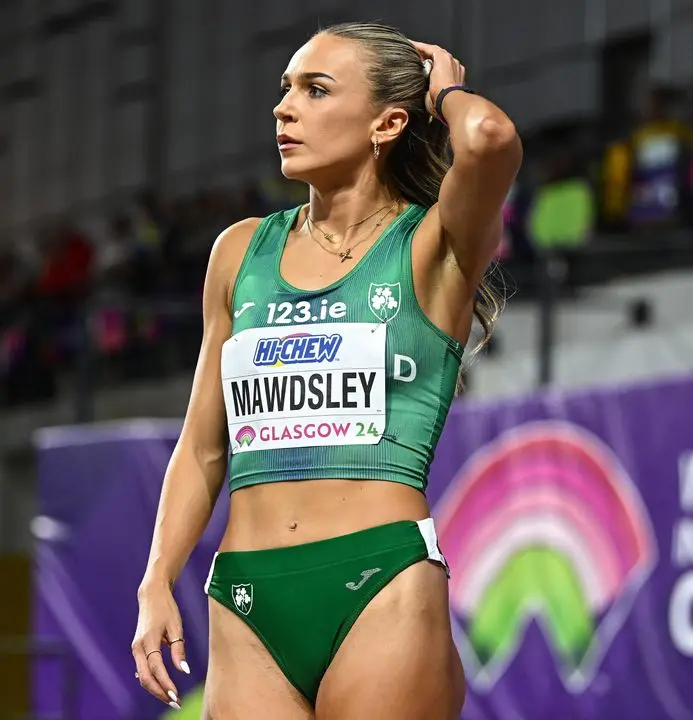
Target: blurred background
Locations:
point(133, 131)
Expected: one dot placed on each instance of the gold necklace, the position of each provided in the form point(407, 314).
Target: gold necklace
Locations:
point(345, 255)
point(329, 236)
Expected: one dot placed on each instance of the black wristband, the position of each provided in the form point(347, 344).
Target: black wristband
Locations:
point(441, 97)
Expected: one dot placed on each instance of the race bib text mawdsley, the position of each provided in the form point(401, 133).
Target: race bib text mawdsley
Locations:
point(302, 386)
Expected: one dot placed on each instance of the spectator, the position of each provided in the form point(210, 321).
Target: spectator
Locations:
point(115, 256)
point(615, 186)
point(562, 212)
point(646, 177)
point(148, 223)
point(67, 258)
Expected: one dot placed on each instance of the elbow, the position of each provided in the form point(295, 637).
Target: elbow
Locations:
point(494, 135)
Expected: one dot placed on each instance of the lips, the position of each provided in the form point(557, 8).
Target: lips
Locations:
point(286, 142)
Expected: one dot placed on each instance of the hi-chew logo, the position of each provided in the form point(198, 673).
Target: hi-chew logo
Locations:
point(300, 348)
point(543, 525)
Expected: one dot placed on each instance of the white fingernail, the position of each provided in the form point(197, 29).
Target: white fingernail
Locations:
point(173, 696)
point(174, 705)
point(184, 667)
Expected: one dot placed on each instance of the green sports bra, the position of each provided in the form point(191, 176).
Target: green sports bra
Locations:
point(351, 381)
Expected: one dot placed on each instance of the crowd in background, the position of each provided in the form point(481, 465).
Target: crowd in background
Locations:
point(123, 295)
point(120, 294)
point(639, 181)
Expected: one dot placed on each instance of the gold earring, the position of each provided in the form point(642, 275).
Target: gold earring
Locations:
point(376, 149)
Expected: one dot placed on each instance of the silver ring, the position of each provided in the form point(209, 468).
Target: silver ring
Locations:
point(179, 639)
point(137, 676)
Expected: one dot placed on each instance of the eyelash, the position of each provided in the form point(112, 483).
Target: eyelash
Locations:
point(322, 92)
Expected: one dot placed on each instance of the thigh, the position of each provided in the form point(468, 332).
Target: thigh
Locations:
point(399, 659)
point(243, 680)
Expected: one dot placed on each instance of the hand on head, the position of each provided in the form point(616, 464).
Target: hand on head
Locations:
point(446, 70)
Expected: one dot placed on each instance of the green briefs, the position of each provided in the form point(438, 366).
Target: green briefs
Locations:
point(301, 601)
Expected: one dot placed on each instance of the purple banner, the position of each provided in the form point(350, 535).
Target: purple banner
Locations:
point(98, 493)
point(567, 520)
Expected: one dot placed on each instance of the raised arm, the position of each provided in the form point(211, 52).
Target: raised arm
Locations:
point(194, 476)
point(487, 155)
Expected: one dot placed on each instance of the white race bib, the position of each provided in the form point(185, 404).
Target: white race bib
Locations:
point(303, 386)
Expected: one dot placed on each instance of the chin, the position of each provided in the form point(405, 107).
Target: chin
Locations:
point(290, 173)
point(293, 170)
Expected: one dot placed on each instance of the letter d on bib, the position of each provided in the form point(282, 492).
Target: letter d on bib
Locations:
point(410, 366)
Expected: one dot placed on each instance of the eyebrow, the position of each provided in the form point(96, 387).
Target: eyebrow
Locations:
point(309, 76)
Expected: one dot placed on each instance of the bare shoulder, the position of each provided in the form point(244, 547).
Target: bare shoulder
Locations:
point(225, 260)
point(229, 250)
point(231, 244)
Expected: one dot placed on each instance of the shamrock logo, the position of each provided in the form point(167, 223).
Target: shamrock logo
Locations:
point(384, 300)
point(242, 597)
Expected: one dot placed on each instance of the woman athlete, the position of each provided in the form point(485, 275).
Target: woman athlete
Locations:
point(333, 336)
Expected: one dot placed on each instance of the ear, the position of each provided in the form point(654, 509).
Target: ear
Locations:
point(390, 125)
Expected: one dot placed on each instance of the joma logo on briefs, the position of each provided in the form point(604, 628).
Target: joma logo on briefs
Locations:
point(296, 349)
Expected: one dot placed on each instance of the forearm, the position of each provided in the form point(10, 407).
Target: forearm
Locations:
point(478, 128)
point(190, 490)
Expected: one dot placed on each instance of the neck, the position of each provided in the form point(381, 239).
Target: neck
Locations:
point(342, 207)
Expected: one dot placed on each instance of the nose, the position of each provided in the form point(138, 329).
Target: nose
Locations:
point(284, 111)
